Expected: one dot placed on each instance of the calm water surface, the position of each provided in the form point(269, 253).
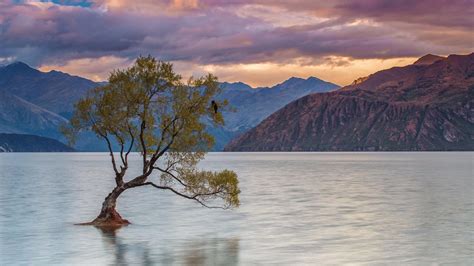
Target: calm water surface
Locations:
point(297, 209)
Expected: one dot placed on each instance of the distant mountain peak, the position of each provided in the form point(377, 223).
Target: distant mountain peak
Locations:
point(19, 67)
point(60, 73)
point(313, 79)
point(240, 83)
point(296, 82)
point(294, 79)
point(235, 86)
point(19, 64)
point(428, 59)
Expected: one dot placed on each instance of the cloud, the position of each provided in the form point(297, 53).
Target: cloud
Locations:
point(266, 74)
point(333, 69)
point(229, 33)
point(96, 69)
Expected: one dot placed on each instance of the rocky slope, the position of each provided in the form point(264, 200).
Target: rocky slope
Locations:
point(20, 116)
point(424, 106)
point(30, 143)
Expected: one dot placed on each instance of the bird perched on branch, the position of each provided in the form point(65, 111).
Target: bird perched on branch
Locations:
point(214, 106)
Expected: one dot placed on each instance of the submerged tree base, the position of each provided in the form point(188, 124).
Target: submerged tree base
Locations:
point(111, 219)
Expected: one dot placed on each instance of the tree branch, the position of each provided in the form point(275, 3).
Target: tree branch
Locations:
point(110, 152)
point(122, 144)
point(142, 141)
point(137, 181)
point(166, 171)
point(131, 144)
point(194, 197)
point(165, 129)
point(157, 156)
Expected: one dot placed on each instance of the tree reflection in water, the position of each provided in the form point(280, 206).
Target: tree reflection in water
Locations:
point(214, 251)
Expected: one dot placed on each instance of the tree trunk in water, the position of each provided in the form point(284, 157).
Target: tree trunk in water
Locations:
point(108, 216)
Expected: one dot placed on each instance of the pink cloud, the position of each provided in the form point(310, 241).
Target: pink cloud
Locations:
point(231, 32)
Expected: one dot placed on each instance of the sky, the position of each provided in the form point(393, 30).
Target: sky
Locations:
point(261, 43)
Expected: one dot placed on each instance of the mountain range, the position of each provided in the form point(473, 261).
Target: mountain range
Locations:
point(55, 91)
point(35, 102)
point(424, 106)
point(252, 105)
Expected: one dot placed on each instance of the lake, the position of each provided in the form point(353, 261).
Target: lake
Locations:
point(296, 209)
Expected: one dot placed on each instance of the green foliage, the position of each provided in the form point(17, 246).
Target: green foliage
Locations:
point(148, 108)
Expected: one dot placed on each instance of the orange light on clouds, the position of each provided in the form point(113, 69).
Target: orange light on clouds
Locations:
point(96, 69)
point(256, 75)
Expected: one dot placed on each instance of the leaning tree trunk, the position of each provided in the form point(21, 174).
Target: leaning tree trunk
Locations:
point(108, 215)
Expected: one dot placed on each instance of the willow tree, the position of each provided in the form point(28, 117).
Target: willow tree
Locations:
point(147, 108)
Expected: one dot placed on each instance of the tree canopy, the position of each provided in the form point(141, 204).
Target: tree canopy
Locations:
point(149, 109)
